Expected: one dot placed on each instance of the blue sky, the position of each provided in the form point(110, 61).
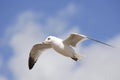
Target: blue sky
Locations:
point(95, 15)
point(99, 19)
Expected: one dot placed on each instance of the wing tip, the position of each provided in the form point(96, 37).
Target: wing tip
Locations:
point(31, 63)
point(101, 42)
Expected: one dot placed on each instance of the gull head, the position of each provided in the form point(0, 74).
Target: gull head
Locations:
point(49, 40)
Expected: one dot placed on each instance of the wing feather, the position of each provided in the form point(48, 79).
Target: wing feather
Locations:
point(74, 38)
point(35, 53)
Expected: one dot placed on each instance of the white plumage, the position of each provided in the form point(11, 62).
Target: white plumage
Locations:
point(64, 47)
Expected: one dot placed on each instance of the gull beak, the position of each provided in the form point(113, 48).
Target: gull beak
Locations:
point(44, 42)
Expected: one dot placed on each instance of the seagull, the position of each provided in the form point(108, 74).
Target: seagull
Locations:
point(64, 47)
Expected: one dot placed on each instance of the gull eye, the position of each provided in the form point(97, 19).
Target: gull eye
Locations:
point(48, 38)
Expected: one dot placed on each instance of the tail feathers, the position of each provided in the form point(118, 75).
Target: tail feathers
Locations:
point(77, 57)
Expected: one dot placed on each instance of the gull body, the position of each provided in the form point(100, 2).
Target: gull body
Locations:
point(60, 47)
point(64, 47)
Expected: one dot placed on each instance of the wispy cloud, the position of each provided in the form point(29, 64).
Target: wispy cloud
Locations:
point(3, 78)
point(101, 63)
point(68, 11)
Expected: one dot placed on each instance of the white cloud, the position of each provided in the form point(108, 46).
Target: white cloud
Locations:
point(68, 11)
point(101, 63)
point(2, 78)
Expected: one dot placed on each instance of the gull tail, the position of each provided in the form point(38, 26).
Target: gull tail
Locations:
point(100, 42)
point(77, 57)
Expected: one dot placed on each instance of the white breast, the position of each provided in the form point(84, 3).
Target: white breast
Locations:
point(59, 47)
point(63, 49)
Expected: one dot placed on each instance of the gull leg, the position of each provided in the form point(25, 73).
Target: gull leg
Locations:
point(77, 57)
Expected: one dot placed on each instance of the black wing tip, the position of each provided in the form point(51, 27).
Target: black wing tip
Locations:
point(31, 63)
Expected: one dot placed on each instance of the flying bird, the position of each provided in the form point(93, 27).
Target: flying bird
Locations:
point(64, 47)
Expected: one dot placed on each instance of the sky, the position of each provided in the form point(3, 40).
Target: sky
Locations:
point(24, 23)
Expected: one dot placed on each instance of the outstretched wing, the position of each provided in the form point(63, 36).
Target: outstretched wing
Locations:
point(35, 53)
point(74, 38)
